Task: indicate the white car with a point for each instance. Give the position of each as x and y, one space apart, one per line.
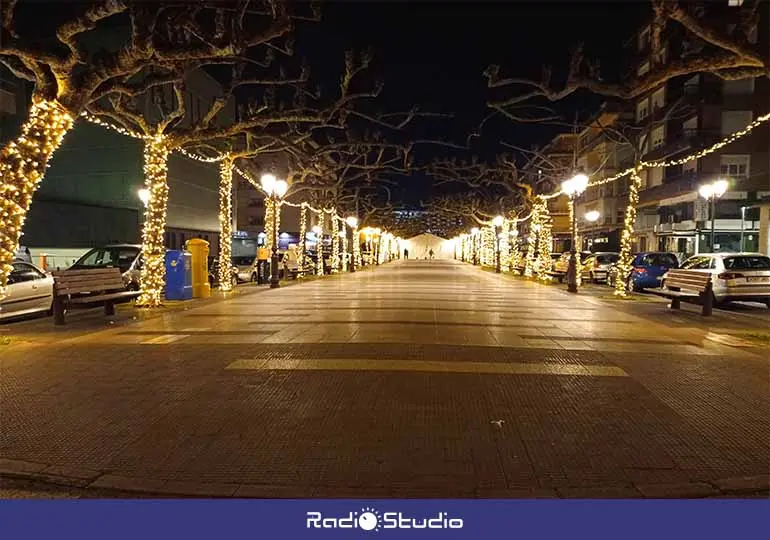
735 276
30 290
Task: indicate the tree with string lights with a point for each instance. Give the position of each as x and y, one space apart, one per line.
161 43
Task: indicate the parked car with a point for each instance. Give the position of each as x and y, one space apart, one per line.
127 257
597 265
647 270
214 273
555 257
30 290
246 267
562 264
735 276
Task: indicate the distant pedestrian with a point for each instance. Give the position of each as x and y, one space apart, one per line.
430 254
406 254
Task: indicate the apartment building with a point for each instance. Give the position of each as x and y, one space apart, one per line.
684 115
545 171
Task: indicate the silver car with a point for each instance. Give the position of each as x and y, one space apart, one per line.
30 290
596 267
735 276
246 267
127 257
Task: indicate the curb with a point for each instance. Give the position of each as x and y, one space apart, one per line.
92 480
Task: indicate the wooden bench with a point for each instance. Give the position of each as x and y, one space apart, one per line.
84 288
697 285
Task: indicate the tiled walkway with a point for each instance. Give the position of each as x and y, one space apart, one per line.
415 379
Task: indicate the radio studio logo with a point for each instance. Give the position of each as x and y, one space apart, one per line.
370 519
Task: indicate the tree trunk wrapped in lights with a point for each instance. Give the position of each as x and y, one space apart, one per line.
225 223
344 237
624 263
545 240
153 277
335 243
302 240
320 245
505 261
488 246
22 165
356 248
534 230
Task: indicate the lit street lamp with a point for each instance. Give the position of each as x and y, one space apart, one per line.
144 196
711 192
274 189
474 234
573 188
497 222
352 222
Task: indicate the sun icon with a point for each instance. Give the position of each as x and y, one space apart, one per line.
369 520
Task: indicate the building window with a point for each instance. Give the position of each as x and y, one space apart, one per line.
691 85
658 99
690 126
658 136
735 166
642 110
7 102
643 69
740 87
690 168
644 39
733 121
735 3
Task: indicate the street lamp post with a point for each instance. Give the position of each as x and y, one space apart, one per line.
743 226
474 234
274 189
573 188
352 222
497 222
711 192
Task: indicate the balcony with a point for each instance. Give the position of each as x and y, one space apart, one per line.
683 184
685 140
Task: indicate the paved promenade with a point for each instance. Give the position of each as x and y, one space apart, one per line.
416 379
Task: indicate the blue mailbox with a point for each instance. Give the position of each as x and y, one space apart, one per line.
178 275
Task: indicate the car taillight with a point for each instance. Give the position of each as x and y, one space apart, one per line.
640 270
730 275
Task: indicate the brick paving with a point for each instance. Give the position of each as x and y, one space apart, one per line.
388 387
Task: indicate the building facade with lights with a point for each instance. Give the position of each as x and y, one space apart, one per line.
89 196
545 171
690 113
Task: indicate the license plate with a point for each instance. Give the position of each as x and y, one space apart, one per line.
758 280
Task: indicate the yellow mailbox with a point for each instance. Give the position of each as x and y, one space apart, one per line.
199 249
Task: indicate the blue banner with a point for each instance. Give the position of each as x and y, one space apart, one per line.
280 519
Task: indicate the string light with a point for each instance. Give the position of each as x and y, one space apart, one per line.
534 230
544 239
356 248
153 276
225 223
624 263
320 246
335 243
302 240
504 246
119 129
344 236
22 165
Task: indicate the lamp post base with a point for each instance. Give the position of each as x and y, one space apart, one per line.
572 274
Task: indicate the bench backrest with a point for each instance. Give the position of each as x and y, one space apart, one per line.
688 279
85 281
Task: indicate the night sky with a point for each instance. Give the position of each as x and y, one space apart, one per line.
432 54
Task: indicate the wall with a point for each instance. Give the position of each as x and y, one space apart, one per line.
764 229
